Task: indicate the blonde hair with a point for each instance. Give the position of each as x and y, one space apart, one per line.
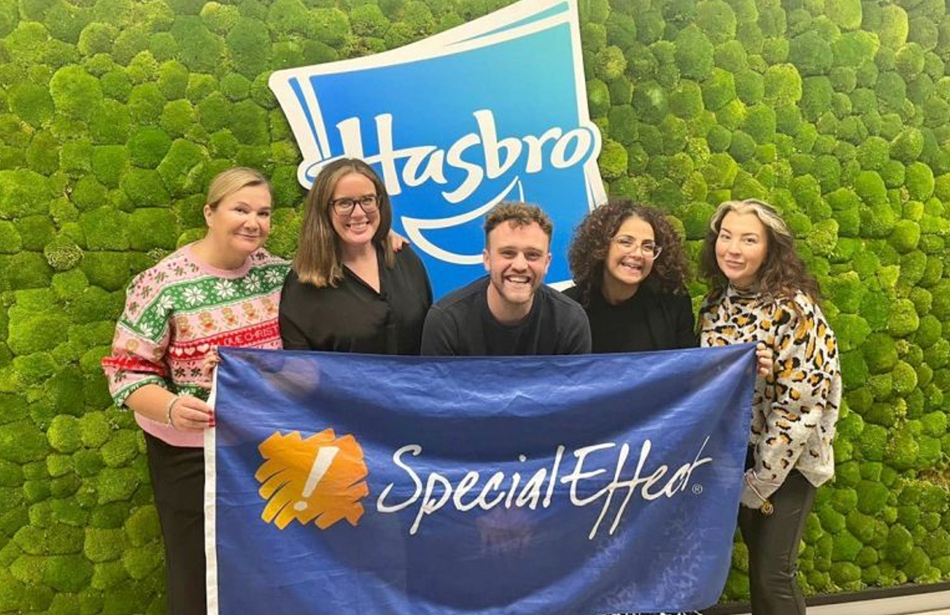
319 258
227 182
782 273
763 211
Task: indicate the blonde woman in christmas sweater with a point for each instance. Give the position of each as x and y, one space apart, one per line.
222 290
762 293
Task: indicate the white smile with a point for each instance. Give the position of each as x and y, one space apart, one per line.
632 265
518 280
358 227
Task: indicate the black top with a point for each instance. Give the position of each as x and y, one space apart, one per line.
352 317
461 324
649 320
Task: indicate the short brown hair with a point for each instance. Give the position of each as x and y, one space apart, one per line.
319 258
782 273
592 242
229 181
518 214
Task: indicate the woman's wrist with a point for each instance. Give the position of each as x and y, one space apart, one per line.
169 421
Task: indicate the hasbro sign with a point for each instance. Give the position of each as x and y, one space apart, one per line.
492 110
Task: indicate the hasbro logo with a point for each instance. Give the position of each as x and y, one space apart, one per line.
492 110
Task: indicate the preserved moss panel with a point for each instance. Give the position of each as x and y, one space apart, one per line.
115 113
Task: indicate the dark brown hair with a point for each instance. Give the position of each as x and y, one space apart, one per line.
782 273
319 258
592 242
518 214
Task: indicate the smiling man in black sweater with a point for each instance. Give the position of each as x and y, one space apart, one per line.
510 311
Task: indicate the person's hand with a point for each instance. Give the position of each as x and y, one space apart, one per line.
210 362
763 356
397 241
189 413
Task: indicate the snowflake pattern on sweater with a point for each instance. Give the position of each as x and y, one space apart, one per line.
180 309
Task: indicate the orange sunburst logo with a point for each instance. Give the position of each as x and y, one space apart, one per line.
321 477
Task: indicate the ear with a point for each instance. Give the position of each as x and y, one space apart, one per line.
547 263
485 260
208 212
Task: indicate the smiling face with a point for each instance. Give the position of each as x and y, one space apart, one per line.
356 228
741 248
516 258
241 222
628 263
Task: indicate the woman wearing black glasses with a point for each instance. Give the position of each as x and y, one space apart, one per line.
348 291
630 276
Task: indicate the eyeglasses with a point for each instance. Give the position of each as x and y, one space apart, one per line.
345 206
627 243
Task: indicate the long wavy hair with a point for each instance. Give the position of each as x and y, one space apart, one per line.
782 274
319 258
592 239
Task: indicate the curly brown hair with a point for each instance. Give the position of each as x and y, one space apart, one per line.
782 274
518 214
592 239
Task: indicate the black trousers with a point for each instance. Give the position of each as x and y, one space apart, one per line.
178 482
773 547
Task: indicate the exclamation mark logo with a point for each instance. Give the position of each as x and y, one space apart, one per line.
320 466
320 479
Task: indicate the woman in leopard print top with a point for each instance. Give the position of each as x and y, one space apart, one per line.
762 293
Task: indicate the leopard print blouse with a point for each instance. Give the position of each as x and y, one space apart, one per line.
794 408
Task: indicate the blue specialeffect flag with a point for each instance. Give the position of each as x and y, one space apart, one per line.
356 484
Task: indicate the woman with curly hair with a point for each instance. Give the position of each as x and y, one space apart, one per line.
630 276
761 292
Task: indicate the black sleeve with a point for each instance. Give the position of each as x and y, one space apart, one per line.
439 334
291 334
686 336
576 334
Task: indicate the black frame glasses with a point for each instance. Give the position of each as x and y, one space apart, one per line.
345 206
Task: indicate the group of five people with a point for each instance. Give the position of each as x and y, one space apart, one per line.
352 287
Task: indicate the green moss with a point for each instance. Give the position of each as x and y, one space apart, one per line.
750 86
116 484
199 49
816 98
810 53
613 159
872 496
108 270
249 45
910 60
905 236
782 83
598 98
686 101
919 180
731 56
147 146
121 448
718 90
144 188
75 92
140 562
146 102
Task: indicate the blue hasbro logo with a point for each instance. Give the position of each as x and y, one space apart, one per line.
493 110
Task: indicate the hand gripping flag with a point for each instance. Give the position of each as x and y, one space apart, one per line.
355 484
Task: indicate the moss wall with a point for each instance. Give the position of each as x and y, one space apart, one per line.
114 114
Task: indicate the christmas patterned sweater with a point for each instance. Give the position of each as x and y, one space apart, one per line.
179 310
